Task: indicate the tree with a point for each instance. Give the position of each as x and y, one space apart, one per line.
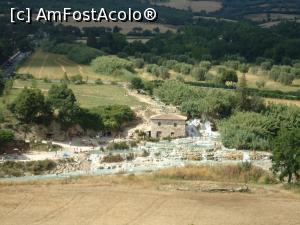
6 136
60 96
286 154
114 116
117 29
229 75
286 78
92 41
65 79
2 82
226 75
7 89
266 65
243 94
199 73
137 83
63 99
29 105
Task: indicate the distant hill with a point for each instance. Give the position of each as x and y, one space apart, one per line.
181 12
260 10
267 12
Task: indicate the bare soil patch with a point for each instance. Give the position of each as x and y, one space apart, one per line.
260 17
115 201
195 6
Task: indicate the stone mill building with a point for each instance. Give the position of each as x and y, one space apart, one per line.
168 125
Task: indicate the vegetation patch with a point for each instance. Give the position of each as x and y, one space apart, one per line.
249 130
78 53
245 173
111 65
17 169
123 145
114 116
112 158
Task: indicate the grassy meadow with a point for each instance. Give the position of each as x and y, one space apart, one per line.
88 95
53 66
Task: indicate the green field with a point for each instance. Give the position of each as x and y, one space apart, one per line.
269 85
53 66
88 95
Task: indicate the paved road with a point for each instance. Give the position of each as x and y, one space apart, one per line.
9 67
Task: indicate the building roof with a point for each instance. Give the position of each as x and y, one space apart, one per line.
168 117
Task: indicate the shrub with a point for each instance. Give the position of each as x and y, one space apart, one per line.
130 157
139 63
248 130
158 71
283 74
183 68
77 79
205 64
180 78
78 53
46 80
243 67
260 83
286 78
118 146
2 118
137 83
232 64
98 82
26 76
16 169
224 75
39 167
235 173
111 65
199 73
112 158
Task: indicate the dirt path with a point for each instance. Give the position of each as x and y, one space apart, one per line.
43 65
80 70
61 66
116 204
153 107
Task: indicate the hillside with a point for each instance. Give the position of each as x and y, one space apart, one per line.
179 12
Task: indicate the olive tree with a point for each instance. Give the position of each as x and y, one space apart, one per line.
286 154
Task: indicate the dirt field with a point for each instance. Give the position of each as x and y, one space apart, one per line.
91 203
274 23
260 17
283 101
126 26
53 66
195 6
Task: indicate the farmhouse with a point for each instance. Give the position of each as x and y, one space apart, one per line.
167 125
